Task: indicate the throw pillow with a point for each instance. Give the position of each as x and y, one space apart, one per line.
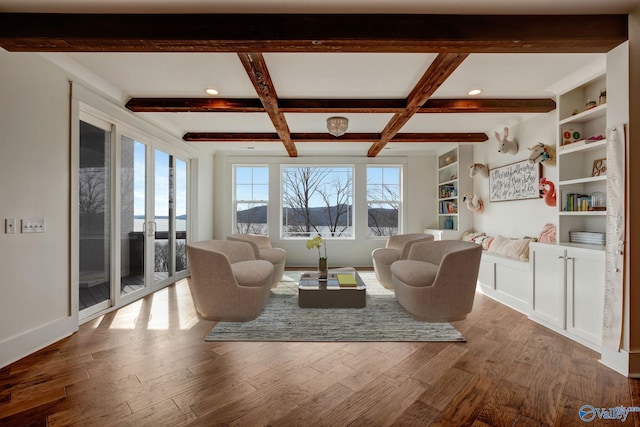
513 248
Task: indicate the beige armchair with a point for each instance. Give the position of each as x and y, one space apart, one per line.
227 282
397 248
437 282
263 250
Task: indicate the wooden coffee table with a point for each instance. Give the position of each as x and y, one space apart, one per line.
316 293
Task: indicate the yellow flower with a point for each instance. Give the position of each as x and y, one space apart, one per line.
316 242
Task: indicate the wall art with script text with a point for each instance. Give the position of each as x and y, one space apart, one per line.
515 181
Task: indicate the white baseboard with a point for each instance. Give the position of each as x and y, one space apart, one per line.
14 349
617 360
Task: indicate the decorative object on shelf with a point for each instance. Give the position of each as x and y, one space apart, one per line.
316 242
602 99
569 136
542 153
548 234
479 169
599 167
474 203
506 146
448 224
548 191
337 126
515 181
590 104
598 201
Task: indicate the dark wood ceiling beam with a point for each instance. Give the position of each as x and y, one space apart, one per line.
326 137
49 32
244 105
231 137
195 105
440 137
439 70
485 105
256 67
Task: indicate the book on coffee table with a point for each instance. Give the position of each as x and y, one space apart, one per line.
347 280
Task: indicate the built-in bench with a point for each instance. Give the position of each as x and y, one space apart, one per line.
507 280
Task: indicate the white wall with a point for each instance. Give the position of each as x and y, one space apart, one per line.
419 207
35 179
204 203
516 218
34 183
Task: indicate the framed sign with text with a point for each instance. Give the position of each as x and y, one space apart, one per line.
515 181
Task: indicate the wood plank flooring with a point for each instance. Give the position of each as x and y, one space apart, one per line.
148 364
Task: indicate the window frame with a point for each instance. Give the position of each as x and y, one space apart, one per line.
236 201
399 201
352 212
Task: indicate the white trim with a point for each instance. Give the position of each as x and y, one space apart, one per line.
97 105
618 361
14 349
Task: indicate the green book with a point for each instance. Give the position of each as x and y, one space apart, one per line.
347 280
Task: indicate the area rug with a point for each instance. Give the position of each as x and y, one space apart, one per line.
383 319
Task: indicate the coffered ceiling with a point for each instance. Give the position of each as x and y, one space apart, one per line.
401 80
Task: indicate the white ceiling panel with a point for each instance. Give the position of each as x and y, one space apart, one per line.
217 122
473 122
170 74
365 123
513 75
346 75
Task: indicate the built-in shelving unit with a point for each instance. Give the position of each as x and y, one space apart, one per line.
582 187
453 183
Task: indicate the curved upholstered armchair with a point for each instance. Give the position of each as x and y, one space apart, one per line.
263 250
397 248
227 283
437 282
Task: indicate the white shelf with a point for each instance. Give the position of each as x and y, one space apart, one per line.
445 199
597 248
450 165
587 146
448 214
586 116
586 180
451 181
583 213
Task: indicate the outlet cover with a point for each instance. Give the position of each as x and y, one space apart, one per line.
10 225
33 225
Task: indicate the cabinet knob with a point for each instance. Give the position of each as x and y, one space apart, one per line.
560 256
569 257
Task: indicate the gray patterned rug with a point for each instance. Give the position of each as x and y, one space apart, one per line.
383 319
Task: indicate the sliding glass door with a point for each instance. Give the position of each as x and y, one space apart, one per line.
170 216
94 213
133 216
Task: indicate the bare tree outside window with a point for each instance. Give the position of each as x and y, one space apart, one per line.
383 200
317 200
251 199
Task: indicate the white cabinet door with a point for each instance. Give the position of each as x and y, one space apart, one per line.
585 294
549 287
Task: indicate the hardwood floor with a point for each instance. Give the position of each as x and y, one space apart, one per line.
148 364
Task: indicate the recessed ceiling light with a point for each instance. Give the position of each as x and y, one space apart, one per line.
211 91
473 92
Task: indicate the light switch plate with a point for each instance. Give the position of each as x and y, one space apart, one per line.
10 225
33 225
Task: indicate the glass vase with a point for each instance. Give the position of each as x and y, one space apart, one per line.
322 268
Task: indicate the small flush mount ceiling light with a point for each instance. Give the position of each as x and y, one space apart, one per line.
474 92
211 91
337 126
